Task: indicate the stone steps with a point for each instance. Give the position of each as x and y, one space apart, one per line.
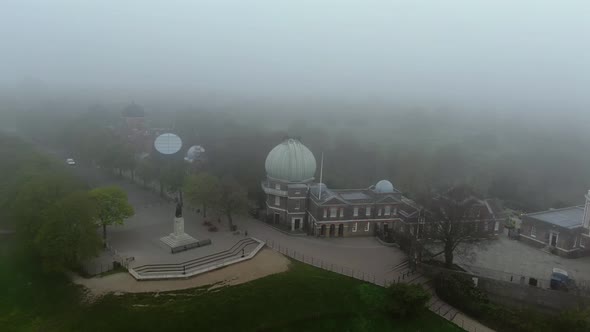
195 264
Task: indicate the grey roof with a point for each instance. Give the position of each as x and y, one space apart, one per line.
351 196
571 217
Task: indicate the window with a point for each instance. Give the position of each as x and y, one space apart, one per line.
485 227
496 226
379 212
297 204
533 231
341 212
277 200
582 242
387 210
476 227
325 213
297 192
367 227
333 212
395 211
277 186
356 212
354 227
368 211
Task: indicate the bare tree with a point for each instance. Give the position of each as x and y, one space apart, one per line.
451 220
232 199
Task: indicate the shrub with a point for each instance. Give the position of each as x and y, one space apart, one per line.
213 229
460 292
206 223
404 300
573 321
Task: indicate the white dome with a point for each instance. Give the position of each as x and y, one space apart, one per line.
194 153
384 187
290 161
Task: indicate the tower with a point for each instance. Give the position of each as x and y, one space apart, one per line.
290 168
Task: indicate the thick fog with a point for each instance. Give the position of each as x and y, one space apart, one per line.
503 55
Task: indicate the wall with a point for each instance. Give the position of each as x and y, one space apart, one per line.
516 294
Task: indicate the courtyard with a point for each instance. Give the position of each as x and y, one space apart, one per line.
504 257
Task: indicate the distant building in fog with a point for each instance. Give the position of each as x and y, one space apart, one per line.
134 131
565 231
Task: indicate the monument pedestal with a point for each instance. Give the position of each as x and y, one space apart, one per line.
179 240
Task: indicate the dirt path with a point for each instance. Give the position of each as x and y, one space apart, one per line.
266 262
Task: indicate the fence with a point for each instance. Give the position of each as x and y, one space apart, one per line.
582 286
401 276
443 310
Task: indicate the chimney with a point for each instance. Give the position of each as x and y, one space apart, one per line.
587 211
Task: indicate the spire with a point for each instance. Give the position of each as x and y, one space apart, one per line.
587 211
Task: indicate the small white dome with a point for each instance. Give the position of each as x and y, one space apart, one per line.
290 161
384 187
194 153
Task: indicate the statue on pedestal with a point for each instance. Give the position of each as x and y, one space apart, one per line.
178 212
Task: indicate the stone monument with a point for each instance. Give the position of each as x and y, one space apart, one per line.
179 240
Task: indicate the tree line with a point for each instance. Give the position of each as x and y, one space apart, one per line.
54 214
529 163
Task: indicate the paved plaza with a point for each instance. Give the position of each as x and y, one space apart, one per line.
505 256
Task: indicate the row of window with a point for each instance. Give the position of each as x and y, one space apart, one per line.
335 211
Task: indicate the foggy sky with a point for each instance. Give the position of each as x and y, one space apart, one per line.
516 54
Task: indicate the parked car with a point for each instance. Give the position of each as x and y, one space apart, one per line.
560 280
70 162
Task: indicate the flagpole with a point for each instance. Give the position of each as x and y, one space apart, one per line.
321 174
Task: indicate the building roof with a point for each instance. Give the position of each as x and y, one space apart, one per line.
355 195
290 161
571 217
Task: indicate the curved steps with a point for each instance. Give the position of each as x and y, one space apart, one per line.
200 264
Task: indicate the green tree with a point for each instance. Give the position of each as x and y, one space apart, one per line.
113 207
202 189
403 300
146 171
68 233
172 175
231 199
37 195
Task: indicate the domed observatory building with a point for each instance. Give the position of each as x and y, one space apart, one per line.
290 169
361 212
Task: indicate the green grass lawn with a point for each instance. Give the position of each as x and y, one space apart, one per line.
303 299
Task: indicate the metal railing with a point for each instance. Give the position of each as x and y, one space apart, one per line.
399 276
